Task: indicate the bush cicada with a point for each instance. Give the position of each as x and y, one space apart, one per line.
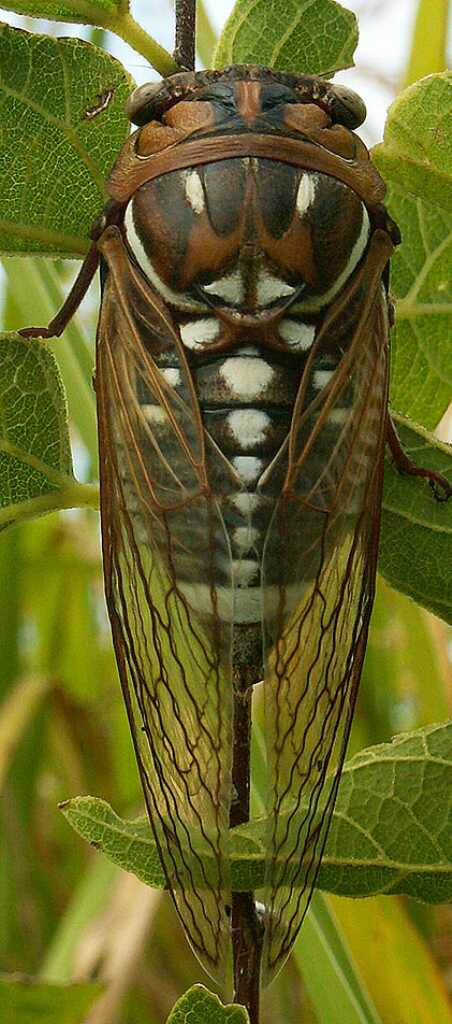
242 389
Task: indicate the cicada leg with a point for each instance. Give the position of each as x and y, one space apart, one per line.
441 487
112 214
71 304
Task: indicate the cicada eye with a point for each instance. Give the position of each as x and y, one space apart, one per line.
150 101
139 104
347 107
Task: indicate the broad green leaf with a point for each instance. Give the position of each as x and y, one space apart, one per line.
416 161
390 831
38 292
393 819
416 536
416 153
35 458
81 12
24 1001
429 46
199 1006
54 158
317 37
394 961
421 283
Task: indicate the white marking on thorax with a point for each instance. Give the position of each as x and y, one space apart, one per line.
194 191
197 334
229 288
248 426
270 288
246 378
311 305
182 300
321 377
306 193
172 375
298 335
248 467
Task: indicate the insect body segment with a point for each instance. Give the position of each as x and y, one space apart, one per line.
242 390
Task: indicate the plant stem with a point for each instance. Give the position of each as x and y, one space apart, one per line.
246 927
73 495
128 29
184 51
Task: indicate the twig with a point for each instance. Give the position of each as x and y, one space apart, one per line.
184 52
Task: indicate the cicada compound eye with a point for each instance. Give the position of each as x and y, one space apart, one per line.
151 100
347 107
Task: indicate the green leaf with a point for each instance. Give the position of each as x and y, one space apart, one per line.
416 161
81 12
38 293
23 1001
35 457
390 831
429 47
199 1006
393 819
416 536
421 283
416 153
317 37
54 159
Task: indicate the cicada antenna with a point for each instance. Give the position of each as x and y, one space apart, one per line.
184 52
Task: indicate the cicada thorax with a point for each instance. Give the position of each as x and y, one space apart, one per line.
249 254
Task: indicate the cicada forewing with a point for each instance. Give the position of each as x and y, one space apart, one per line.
319 573
162 533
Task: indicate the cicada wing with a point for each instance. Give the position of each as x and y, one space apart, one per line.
319 571
163 534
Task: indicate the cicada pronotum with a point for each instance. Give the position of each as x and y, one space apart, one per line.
242 388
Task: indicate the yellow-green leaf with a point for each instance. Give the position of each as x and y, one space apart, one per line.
55 155
317 37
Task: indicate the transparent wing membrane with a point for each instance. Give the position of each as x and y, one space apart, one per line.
323 539
172 592
161 528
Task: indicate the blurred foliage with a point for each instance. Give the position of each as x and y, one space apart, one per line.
68 914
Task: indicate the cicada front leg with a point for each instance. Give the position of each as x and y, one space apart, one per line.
82 282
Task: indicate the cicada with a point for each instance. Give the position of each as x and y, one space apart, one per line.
242 390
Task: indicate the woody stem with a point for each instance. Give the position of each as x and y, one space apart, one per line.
184 52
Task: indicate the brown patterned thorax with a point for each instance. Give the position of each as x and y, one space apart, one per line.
249 205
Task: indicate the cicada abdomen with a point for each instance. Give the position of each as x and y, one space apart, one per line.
242 388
